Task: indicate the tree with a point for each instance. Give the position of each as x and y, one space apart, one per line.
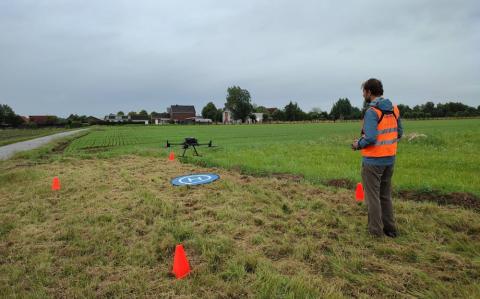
342 109
73 117
143 113
293 112
132 113
428 109
120 113
278 115
315 114
404 110
260 109
210 111
8 116
238 101
356 113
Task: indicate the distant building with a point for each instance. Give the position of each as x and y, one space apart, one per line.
179 113
198 120
139 119
113 118
271 110
160 120
258 117
93 120
43 119
226 116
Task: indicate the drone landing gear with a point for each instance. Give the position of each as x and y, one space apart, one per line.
185 147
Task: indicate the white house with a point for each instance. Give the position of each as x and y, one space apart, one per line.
112 118
227 118
258 117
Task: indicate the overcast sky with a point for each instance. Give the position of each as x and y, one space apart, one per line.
96 57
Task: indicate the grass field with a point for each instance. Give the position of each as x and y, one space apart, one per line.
434 155
8 136
112 229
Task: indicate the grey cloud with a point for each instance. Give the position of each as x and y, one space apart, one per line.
95 57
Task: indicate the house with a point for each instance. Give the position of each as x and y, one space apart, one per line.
139 119
227 117
258 117
160 120
271 110
198 120
43 119
93 120
113 118
179 113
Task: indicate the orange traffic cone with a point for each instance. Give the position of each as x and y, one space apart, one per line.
55 184
181 268
172 156
359 194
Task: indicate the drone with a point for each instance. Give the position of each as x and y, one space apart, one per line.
190 142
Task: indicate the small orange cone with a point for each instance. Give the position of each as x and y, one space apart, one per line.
181 268
359 194
172 156
55 184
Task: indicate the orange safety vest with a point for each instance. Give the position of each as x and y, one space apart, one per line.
387 138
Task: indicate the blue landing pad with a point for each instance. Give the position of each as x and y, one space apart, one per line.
195 179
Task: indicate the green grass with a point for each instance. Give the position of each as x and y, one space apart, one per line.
443 157
9 136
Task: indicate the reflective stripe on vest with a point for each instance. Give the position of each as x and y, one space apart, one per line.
387 138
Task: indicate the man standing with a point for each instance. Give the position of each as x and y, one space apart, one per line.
381 131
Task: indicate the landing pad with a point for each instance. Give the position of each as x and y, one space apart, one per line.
195 179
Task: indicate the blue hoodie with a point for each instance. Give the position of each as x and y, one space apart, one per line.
370 121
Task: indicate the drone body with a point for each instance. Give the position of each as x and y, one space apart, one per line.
190 142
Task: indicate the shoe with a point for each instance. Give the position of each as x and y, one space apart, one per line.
390 233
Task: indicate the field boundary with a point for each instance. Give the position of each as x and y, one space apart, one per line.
459 199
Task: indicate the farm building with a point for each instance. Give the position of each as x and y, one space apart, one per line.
112 118
180 113
160 120
227 118
139 119
198 120
42 119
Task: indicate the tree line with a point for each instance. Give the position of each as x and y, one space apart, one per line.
238 101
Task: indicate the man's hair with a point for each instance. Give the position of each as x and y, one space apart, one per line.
374 85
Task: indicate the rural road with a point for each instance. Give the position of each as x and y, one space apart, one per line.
9 150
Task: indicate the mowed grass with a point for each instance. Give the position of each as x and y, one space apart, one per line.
112 229
440 155
8 136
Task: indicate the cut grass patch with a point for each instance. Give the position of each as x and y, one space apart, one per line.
112 229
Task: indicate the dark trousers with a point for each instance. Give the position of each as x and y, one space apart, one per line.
377 183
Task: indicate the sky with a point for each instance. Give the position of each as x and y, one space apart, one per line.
96 57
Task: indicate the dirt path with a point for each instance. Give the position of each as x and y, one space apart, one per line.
8 151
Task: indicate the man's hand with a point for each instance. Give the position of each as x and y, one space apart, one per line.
355 145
